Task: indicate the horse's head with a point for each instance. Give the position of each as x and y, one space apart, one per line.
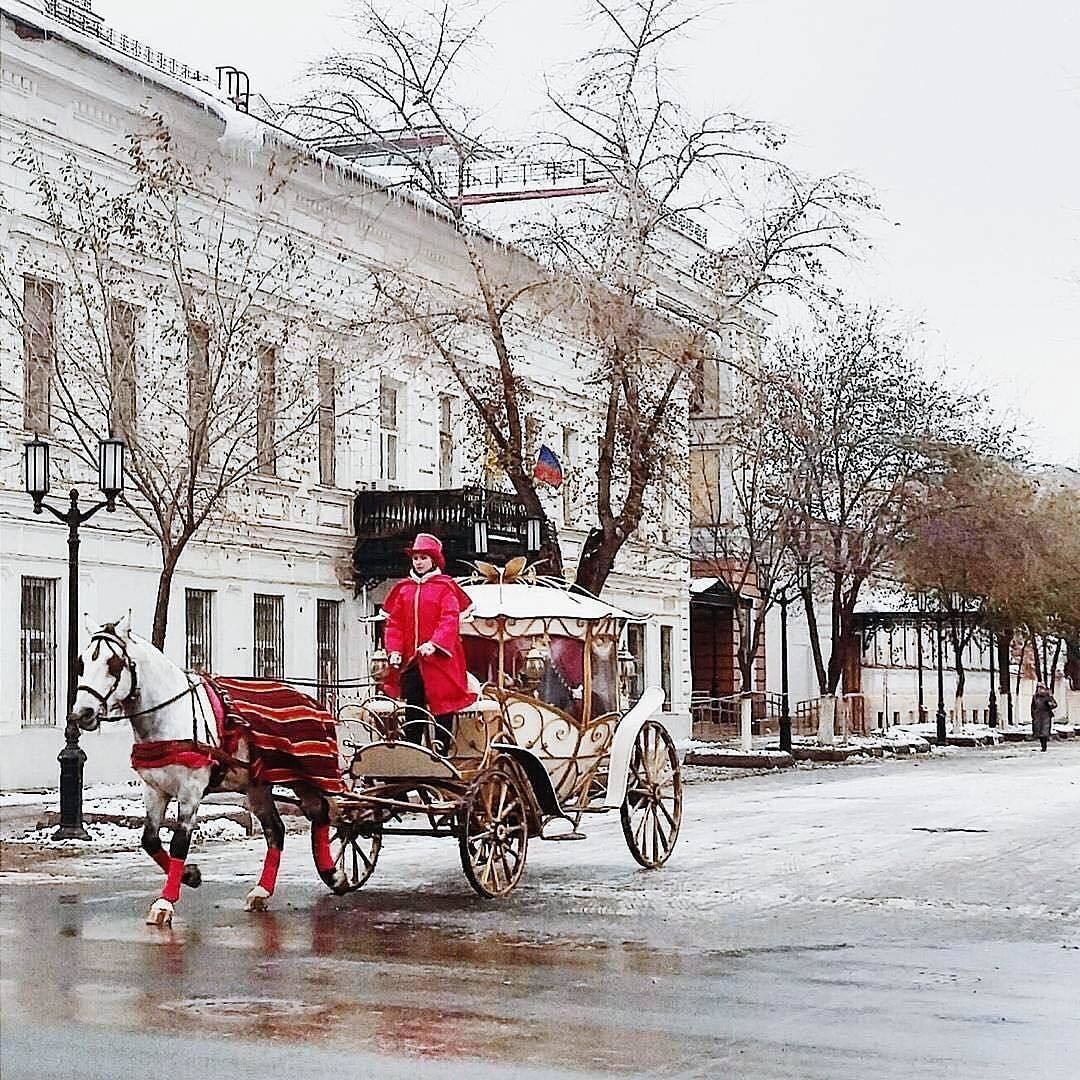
106 671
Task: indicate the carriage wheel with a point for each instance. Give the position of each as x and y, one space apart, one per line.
354 853
494 831
652 809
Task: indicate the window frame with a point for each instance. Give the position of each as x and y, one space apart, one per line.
270 645
39 354
327 390
327 652
266 411
667 665
42 659
205 597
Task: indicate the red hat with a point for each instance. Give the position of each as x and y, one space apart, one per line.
426 544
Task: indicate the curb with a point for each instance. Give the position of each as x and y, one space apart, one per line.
131 821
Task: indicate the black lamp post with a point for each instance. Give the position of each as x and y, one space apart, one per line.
920 604
111 483
785 705
942 734
993 688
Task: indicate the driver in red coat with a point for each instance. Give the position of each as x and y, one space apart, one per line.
423 639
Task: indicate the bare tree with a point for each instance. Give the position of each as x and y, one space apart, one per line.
227 297
864 429
600 264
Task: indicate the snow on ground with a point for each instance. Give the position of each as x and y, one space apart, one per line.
106 836
50 798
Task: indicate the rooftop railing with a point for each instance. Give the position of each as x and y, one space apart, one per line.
80 17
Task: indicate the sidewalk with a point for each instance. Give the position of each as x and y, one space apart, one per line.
900 741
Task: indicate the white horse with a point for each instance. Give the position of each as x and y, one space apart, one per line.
121 677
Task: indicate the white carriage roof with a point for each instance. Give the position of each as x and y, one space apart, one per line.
523 601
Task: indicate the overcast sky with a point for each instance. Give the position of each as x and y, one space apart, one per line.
962 115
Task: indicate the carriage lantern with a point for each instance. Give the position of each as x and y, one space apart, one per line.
380 665
627 668
533 669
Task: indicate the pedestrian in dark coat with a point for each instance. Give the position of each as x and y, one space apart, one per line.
1042 713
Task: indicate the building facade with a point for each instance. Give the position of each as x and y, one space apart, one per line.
273 583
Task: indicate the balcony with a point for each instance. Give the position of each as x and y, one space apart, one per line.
386 522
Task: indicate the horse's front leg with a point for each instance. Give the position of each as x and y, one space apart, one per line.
157 803
261 802
187 805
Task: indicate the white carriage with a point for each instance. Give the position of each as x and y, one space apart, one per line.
550 739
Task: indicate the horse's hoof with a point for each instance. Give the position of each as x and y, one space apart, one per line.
192 876
160 913
257 900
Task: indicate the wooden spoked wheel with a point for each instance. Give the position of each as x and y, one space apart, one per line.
494 831
652 809
354 853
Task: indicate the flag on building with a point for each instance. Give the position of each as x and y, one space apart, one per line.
547 467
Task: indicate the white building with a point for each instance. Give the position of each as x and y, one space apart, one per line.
271 585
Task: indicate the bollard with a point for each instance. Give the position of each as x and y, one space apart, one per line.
746 720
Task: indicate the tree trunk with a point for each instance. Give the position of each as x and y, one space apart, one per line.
161 605
1003 644
597 560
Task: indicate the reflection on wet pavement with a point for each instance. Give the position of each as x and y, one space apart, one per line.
339 976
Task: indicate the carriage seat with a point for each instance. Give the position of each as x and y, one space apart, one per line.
400 760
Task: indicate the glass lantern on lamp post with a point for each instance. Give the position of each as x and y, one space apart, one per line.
111 484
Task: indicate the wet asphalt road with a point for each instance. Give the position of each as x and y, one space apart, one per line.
889 920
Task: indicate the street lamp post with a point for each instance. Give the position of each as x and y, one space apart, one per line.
920 603
111 483
993 688
942 734
785 703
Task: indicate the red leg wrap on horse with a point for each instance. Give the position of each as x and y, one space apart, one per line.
270 869
320 845
161 857
171 892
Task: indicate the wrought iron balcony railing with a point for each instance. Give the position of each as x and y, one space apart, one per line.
386 522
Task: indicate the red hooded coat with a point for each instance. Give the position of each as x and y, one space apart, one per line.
429 609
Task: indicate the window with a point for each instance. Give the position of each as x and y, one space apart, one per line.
569 460
199 612
446 441
389 434
635 644
198 392
123 323
265 433
327 424
326 656
39 353
666 665
38 652
268 659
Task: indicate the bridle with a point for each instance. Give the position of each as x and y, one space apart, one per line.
119 662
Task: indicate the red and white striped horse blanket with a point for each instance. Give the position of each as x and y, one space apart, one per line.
292 738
